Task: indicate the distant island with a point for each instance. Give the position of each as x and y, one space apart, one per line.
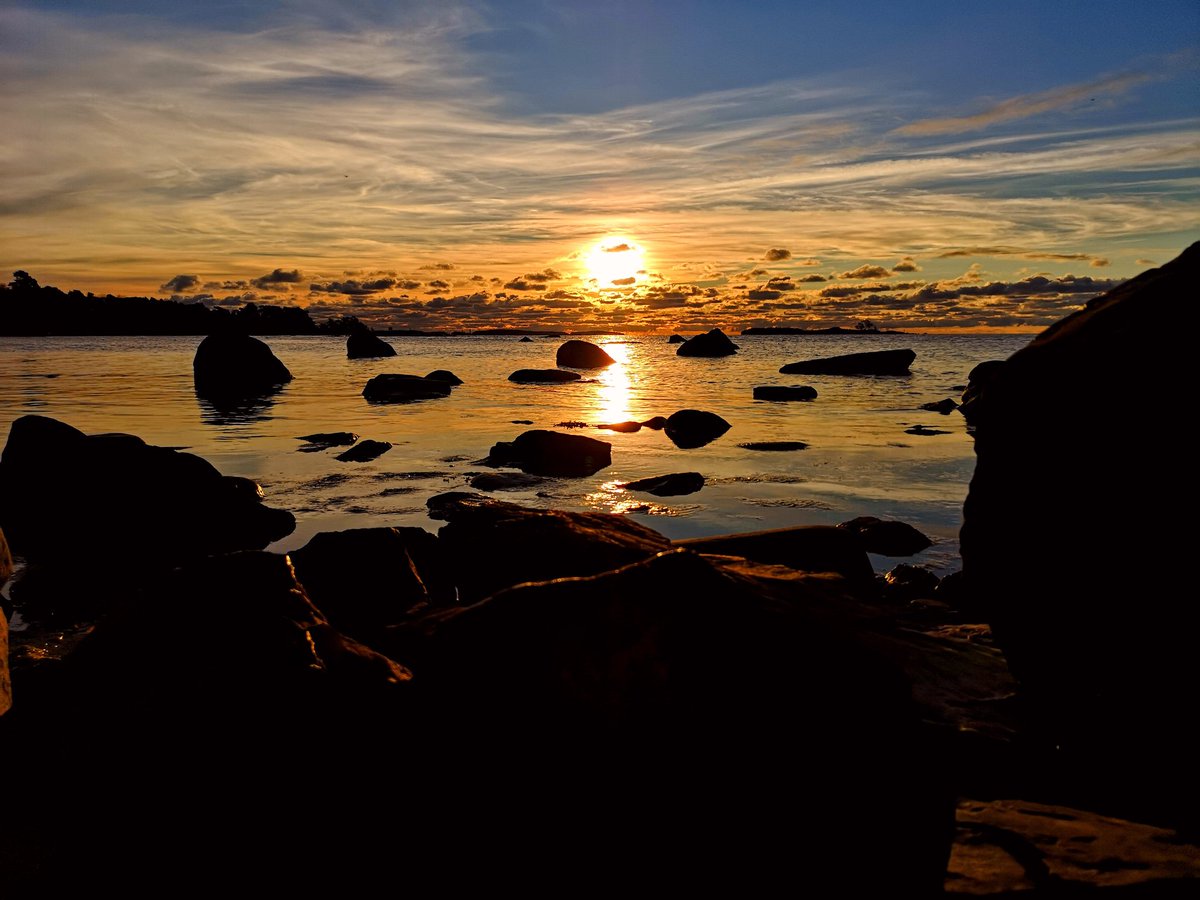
864 327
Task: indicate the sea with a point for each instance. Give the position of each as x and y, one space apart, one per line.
859 458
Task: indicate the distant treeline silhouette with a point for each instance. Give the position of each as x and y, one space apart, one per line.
28 308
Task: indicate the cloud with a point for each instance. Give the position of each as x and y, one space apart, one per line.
544 275
780 284
906 265
764 295
617 248
1024 254
518 284
442 265
1098 262
353 287
813 277
866 271
624 281
778 253
181 283
1026 105
1145 262
439 284
279 276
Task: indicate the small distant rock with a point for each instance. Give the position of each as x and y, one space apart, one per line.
925 430
582 355
505 481
543 376
877 362
673 485
365 345
522 422
774 445
525 340
711 343
365 451
390 388
677 339
945 407
785 393
691 428
330 438
627 427
887 537
658 423
571 423
444 375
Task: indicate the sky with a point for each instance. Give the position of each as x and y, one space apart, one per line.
648 166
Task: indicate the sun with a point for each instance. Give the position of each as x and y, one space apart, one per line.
616 261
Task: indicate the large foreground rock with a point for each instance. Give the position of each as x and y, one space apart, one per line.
876 362
366 345
1076 534
711 343
541 452
229 367
582 355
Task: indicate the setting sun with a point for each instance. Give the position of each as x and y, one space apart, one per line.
615 261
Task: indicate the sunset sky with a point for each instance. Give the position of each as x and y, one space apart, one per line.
660 166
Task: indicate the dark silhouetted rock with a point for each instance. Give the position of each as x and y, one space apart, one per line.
6 560
658 423
887 537
945 407
977 379
905 582
774 446
807 548
875 362
391 388
542 452
365 451
582 355
505 481
677 339
925 430
365 345
229 367
444 375
784 393
525 340
1074 530
571 423
330 438
711 343
689 428
501 544
627 427
543 376
673 485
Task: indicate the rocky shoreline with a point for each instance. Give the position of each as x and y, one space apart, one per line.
570 701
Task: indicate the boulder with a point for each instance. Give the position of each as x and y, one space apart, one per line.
887 537
364 451
784 393
543 376
391 388
945 407
711 343
1074 530
977 379
875 362
774 446
230 367
673 485
690 428
365 345
444 375
658 423
582 355
676 339
541 452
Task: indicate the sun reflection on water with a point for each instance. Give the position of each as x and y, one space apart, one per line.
615 387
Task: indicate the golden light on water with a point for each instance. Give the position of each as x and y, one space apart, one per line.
615 387
616 261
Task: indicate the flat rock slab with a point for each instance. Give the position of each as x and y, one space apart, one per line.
626 427
542 452
543 376
876 362
365 451
925 430
673 485
774 445
505 481
396 388
330 438
784 393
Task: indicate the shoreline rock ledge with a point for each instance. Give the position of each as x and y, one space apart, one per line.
875 362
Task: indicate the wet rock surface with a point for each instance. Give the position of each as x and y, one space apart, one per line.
711 343
875 362
540 452
672 485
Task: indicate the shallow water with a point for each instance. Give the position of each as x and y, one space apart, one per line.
859 460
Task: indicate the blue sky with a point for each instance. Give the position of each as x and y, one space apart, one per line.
427 165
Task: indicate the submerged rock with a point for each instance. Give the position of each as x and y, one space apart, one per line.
392 388
543 376
444 375
876 362
690 428
658 423
505 481
364 451
945 407
887 537
542 452
784 393
366 345
582 355
676 339
229 367
673 485
711 343
774 446
330 438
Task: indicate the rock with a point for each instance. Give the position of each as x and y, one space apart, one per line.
905 582
977 379
690 428
330 438
525 340
875 362
503 544
364 451
784 393
945 407
887 537
673 485
444 375
675 671
658 423
571 423
627 427
777 446
505 481
6 697
392 388
582 355
365 580
80 503
1068 525
6 560
543 376
711 343
365 345
229 367
540 452
676 339
807 548
925 430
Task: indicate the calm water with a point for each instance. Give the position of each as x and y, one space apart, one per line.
860 461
